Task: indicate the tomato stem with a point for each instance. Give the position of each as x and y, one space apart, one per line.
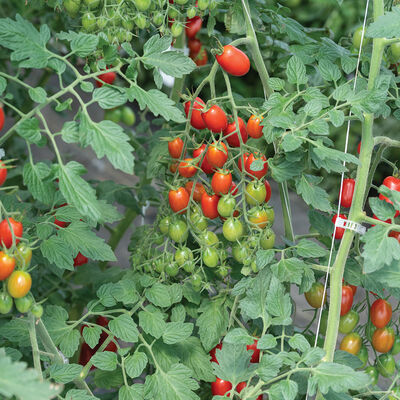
34 345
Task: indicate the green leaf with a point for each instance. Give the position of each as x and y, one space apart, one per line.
135 364
38 95
28 45
64 373
345 358
17 380
107 139
269 367
278 303
264 258
291 142
267 342
309 249
157 102
69 342
3 85
299 342
176 331
157 44
386 26
29 130
238 336
109 97
312 356
16 331
159 295
336 117
276 84
312 194
58 252
321 223
104 293
134 392
329 71
319 127
125 292
91 335
178 313
381 208
106 360
283 390
124 328
212 322
75 394
152 321
296 71
379 249
289 270
174 384
109 379
35 175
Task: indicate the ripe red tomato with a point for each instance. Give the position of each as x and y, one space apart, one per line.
175 147
347 300
19 284
217 154
255 357
380 313
269 191
315 296
80 259
198 190
383 339
205 165
7 265
347 192
221 182
242 160
231 136
240 386
196 119
61 224
233 61
254 129
215 119
339 231
178 200
2 118
254 157
194 46
351 343
85 355
193 25
213 351
394 184
187 168
220 387
209 205
3 169
354 289
173 167
200 58
6 236
395 235
107 77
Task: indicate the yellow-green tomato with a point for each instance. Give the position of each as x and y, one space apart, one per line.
232 229
128 116
113 115
23 304
357 38
23 255
72 7
142 5
348 321
240 252
255 193
6 303
210 257
89 21
267 239
178 231
209 238
37 310
164 225
182 255
92 4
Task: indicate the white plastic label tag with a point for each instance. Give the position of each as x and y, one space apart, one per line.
353 226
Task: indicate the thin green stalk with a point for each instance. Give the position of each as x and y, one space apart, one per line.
34 345
178 82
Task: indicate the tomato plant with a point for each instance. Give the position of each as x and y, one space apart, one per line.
380 313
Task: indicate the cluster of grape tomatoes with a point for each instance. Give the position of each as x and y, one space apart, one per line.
197 51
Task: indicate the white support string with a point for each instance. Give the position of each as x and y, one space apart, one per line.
342 178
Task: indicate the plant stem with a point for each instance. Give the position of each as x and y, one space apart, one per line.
34 345
178 82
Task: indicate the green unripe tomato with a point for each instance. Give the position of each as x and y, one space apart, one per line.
267 239
142 5
196 281
37 311
226 206
348 322
178 231
373 373
92 4
113 115
395 49
172 269
203 4
164 225
240 252
210 257
183 255
23 255
363 356
357 38
223 271
173 13
128 116
232 229
101 22
89 21
128 24
176 29
191 12
213 4
6 303
158 19
159 265
128 36
209 238
23 304
386 365
180 2
396 345
188 266
140 21
270 214
198 221
72 7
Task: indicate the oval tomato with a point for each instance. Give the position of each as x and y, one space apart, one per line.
383 339
386 365
209 205
175 147
164 225
255 193
205 165
240 252
6 234
347 300
221 182
351 343
19 284
269 191
196 119
2 118
217 154
198 221
233 61
197 191
267 239
363 356
183 255
339 232
176 29
315 296
215 119
258 217
23 255
187 168
201 58
193 25
254 129
178 231
209 238
348 321
210 257
392 183
220 387
232 229
380 313
23 304
80 259
178 200
226 206
6 303
259 159
3 171
7 265
194 46
213 352
347 192
242 161
107 77
231 135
